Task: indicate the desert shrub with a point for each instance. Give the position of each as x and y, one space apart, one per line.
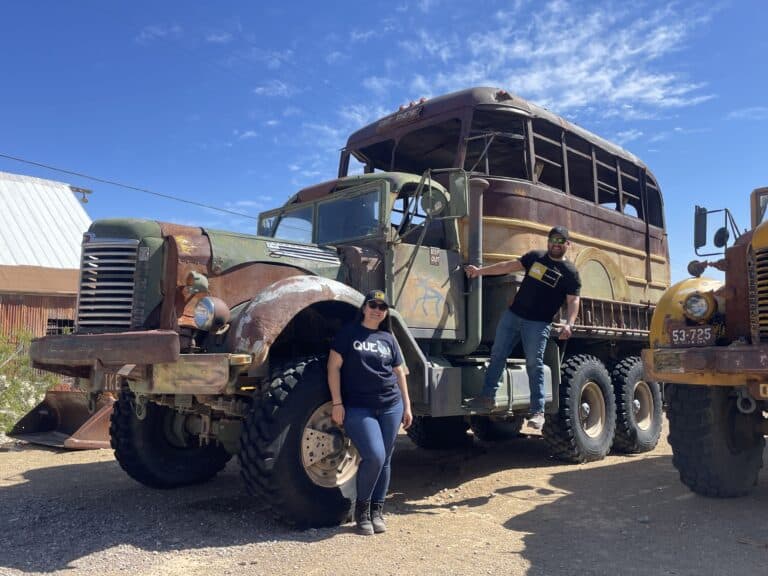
21 386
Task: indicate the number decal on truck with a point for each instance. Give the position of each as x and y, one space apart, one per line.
692 336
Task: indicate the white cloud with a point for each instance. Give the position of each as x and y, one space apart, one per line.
628 136
334 57
429 45
271 122
274 88
218 38
569 56
245 134
751 113
291 111
154 32
361 35
379 85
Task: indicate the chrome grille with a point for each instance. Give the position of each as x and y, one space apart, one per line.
105 300
760 298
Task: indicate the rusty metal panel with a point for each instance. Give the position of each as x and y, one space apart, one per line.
149 347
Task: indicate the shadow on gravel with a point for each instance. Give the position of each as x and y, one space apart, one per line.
58 515
636 518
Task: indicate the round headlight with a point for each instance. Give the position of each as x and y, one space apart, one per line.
211 313
699 307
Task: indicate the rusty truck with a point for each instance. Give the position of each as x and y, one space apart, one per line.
217 341
709 344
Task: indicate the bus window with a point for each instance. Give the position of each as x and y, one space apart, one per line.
549 153
379 156
433 146
655 217
496 144
607 180
581 180
630 189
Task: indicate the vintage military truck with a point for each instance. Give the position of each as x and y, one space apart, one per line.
708 343
217 341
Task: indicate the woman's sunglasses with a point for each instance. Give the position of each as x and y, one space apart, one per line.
377 306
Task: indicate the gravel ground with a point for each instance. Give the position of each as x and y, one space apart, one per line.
489 508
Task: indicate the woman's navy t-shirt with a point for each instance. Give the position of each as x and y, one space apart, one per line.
367 378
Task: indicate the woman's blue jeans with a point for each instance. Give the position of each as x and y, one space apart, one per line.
373 432
534 335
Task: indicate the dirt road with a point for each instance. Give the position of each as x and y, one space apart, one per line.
491 508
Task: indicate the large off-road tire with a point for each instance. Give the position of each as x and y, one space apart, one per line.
638 407
151 453
715 448
438 433
583 428
488 430
292 456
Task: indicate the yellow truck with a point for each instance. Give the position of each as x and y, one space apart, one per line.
709 344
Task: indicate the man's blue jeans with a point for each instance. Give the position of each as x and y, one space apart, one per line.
373 432
533 334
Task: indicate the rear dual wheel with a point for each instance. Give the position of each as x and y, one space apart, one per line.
638 407
583 428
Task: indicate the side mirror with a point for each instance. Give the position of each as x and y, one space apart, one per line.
700 227
434 202
721 237
458 185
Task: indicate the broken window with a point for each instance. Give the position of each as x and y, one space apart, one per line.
496 144
434 146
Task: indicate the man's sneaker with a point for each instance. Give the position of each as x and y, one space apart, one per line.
536 421
481 404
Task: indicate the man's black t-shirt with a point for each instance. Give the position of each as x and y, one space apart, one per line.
545 286
367 379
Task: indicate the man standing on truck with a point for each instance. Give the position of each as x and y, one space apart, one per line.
549 281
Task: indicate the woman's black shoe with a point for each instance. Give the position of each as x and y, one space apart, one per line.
363 517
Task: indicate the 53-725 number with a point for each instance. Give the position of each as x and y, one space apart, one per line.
692 336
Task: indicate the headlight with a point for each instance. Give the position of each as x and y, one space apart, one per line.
211 313
699 307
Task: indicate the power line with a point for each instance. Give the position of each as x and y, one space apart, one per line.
126 186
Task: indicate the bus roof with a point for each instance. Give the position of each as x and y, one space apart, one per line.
397 122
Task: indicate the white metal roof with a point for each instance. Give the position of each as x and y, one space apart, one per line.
41 223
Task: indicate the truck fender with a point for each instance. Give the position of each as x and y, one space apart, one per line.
670 307
266 316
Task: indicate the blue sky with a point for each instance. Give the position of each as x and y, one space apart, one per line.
239 104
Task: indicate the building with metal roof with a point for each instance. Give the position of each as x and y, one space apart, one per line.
41 229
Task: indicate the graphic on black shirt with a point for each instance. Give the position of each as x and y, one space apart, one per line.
546 284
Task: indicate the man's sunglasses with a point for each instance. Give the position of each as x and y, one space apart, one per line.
377 305
557 240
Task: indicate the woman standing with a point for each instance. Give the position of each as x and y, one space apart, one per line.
370 398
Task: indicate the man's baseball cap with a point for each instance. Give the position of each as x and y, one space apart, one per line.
558 231
376 295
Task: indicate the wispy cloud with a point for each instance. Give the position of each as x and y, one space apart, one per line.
274 88
751 113
379 85
429 45
245 134
628 136
571 55
218 38
155 32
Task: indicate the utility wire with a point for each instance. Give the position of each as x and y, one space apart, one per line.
126 186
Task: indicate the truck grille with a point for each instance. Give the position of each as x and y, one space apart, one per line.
758 287
105 300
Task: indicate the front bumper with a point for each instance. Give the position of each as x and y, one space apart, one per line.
77 354
735 365
149 361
